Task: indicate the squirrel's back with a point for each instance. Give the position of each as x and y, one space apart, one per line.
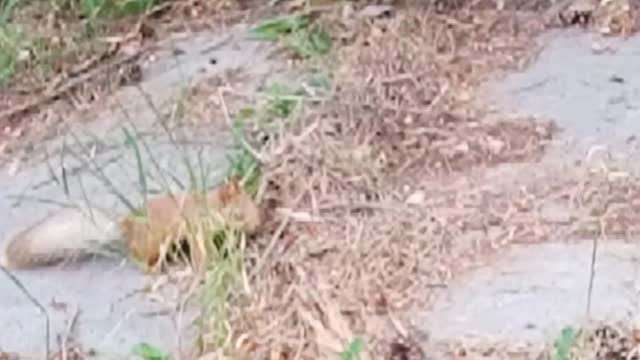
67 234
165 219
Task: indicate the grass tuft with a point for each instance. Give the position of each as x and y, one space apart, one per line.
30 46
222 281
298 33
565 343
149 352
353 349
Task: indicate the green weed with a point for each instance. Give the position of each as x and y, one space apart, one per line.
135 7
280 104
245 166
320 82
295 32
25 46
149 352
243 163
222 245
131 141
11 39
9 53
354 348
21 50
227 261
223 275
7 8
308 42
275 29
565 343
93 9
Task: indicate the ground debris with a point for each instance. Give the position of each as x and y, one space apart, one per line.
402 122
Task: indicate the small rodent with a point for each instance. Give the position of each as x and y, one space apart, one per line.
73 234
167 220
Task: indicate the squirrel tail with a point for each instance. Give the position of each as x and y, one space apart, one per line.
66 235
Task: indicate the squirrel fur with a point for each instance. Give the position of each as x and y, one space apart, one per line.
164 221
167 221
70 233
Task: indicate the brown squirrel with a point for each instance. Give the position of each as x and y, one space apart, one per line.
164 222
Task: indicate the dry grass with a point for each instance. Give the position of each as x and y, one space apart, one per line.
375 223
384 192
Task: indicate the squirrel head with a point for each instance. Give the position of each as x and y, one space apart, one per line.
240 208
230 190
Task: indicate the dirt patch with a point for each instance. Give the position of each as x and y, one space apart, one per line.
63 61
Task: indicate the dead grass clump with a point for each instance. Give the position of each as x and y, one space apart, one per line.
412 79
349 267
606 205
382 196
369 220
367 245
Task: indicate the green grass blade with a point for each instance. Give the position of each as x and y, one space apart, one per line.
131 141
149 352
274 29
565 343
353 350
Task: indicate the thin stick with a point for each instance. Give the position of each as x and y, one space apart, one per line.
182 304
97 172
65 340
275 237
35 302
243 142
70 85
168 131
592 273
150 153
364 206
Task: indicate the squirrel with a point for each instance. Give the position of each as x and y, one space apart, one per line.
162 223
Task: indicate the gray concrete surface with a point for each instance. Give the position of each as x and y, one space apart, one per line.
588 85
113 311
530 292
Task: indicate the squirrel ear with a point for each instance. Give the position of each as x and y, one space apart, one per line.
234 180
230 189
